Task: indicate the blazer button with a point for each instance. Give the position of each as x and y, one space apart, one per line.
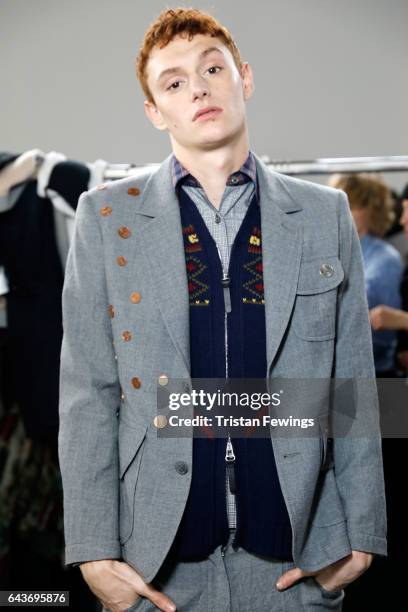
136 382
181 467
163 379
326 270
126 336
133 191
105 211
160 421
124 232
135 297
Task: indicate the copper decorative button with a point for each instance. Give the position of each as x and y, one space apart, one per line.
126 336
124 232
136 382
101 186
122 261
135 297
133 191
163 379
326 270
105 211
111 311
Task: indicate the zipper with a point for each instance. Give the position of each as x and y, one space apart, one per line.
226 284
230 459
229 450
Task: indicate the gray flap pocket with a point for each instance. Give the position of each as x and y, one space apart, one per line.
319 274
314 316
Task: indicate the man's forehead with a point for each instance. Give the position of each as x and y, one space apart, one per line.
181 49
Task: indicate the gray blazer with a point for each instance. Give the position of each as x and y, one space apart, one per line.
126 322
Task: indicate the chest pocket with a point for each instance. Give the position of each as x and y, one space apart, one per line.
314 316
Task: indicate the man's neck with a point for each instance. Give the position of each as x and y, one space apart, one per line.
212 168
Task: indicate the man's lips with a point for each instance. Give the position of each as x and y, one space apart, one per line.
206 113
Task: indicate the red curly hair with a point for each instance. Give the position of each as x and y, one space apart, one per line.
186 22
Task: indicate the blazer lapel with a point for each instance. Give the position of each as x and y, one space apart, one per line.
162 242
281 255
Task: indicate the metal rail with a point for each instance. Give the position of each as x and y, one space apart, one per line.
317 166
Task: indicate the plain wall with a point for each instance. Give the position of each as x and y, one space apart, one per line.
331 77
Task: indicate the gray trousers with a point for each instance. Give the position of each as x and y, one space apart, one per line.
233 580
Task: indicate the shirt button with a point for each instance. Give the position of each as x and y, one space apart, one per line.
234 180
181 467
217 218
122 261
326 270
126 336
163 379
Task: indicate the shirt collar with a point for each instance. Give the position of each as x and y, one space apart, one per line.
246 173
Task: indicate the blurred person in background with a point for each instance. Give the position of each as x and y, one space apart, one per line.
387 293
371 205
384 317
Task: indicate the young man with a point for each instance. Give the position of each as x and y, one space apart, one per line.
212 266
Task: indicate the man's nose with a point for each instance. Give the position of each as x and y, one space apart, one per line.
199 89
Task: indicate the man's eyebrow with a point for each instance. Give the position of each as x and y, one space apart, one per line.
203 54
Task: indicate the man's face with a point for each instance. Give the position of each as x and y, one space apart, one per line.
361 218
188 76
404 216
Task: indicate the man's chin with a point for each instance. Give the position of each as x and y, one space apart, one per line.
216 141
208 142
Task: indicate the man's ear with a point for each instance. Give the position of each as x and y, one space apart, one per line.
247 76
154 115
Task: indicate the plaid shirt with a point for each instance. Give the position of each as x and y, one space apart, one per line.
223 224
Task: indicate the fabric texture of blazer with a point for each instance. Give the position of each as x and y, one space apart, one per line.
126 323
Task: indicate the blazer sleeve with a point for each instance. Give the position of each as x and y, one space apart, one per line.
89 399
358 455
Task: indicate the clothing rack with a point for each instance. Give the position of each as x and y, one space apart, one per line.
317 166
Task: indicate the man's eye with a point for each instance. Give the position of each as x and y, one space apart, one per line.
215 69
174 85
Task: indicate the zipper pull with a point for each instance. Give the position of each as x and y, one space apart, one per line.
229 454
226 283
230 459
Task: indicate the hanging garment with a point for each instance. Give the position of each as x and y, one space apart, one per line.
32 261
